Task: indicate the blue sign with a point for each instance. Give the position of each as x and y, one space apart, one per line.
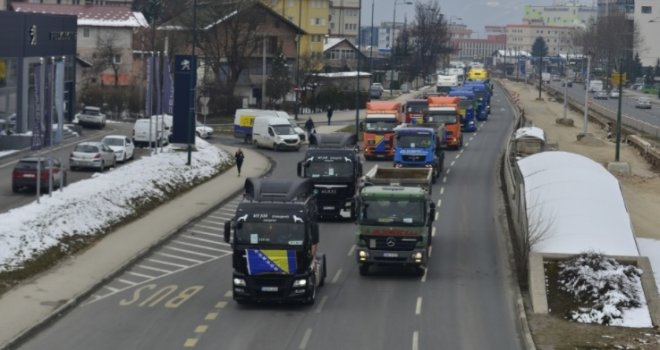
183 120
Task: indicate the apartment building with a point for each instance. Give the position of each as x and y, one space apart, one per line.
344 19
559 40
312 16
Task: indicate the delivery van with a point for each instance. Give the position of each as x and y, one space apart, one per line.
274 132
143 137
244 120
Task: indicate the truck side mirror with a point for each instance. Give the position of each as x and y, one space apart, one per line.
315 232
227 231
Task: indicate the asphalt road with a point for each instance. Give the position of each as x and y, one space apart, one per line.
9 200
179 295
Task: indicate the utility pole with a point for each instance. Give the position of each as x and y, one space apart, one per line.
586 97
618 112
357 79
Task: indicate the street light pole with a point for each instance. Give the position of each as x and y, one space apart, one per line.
392 60
357 83
193 82
618 113
371 43
586 97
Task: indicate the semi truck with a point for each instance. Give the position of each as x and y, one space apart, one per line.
445 82
443 111
419 147
482 92
395 218
333 165
467 108
274 236
414 110
378 129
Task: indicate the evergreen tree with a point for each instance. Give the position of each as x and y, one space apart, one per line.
279 80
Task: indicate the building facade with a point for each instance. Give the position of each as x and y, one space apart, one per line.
344 19
647 17
388 32
569 14
606 7
312 16
559 40
28 58
477 49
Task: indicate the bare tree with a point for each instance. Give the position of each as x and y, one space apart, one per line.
108 55
429 35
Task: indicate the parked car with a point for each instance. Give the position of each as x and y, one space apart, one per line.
92 155
600 95
203 131
643 102
25 173
567 82
614 93
122 146
91 116
375 91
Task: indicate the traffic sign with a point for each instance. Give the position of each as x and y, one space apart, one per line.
205 110
617 77
204 100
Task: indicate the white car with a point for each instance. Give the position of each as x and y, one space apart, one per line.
614 93
92 155
91 116
122 146
203 131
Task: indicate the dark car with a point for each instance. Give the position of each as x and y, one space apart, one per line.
25 173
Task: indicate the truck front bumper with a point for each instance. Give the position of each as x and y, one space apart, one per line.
417 257
272 288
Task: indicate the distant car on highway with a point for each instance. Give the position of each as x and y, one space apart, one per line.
122 146
567 82
643 103
91 116
614 94
600 95
25 175
92 155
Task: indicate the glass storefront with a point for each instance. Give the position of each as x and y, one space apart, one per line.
8 92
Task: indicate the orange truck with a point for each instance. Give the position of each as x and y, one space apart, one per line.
445 111
378 129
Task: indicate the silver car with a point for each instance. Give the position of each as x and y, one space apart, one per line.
92 155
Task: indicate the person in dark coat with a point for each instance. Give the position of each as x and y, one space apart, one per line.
309 126
329 114
238 157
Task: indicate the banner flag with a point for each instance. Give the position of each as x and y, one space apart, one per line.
59 99
48 104
159 106
36 107
148 98
168 92
271 261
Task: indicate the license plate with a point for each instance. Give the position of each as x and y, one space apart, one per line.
391 255
29 176
268 289
328 208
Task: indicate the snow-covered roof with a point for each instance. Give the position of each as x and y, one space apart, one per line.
344 74
89 15
513 53
575 205
332 42
530 132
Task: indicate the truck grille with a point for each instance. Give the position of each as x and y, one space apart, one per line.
391 243
291 141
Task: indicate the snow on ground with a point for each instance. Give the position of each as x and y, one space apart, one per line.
7 152
89 206
650 248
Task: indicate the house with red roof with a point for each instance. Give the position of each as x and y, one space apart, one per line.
104 39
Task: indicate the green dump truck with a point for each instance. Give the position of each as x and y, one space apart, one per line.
395 218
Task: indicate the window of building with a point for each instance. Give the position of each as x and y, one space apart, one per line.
116 59
647 9
86 32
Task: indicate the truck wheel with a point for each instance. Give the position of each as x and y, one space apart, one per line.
312 298
419 271
364 269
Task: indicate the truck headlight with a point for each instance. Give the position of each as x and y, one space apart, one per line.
418 257
428 165
299 283
362 254
398 165
239 282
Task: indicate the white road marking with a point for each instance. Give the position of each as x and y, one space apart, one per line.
352 250
130 283
140 275
199 246
113 290
180 258
204 240
426 271
442 190
458 156
321 304
225 218
415 340
436 216
433 232
444 179
418 306
431 248
191 252
448 171
466 144
453 162
305 339
201 329
213 222
153 268
439 203
204 233
212 228
336 278
167 263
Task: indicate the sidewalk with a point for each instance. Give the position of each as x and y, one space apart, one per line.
65 285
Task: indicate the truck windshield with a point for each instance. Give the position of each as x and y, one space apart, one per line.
413 141
447 117
283 130
416 107
271 233
380 124
465 103
388 212
329 169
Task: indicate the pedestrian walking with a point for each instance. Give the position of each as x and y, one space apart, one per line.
329 114
238 157
309 126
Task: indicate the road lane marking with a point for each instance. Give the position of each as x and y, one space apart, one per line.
199 246
211 316
141 275
418 306
167 263
439 203
204 233
213 222
415 340
461 151
452 163
180 258
212 228
205 240
426 271
221 305
436 216
466 144
471 138
146 267
442 190
352 250
113 290
336 278
201 329
321 304
228 294
430 251
191 252
190 343
305 339
130 283
433 232
225 218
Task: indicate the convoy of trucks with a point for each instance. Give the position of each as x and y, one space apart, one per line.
419 147
333 165
274 236
467 107
395 218
378 129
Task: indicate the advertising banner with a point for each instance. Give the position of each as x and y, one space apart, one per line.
184 86
36 108
59 99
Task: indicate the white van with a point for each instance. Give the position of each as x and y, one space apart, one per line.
299 131
142 137
244 119
275 133
167 121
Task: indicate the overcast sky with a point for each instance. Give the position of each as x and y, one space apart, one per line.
474 13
